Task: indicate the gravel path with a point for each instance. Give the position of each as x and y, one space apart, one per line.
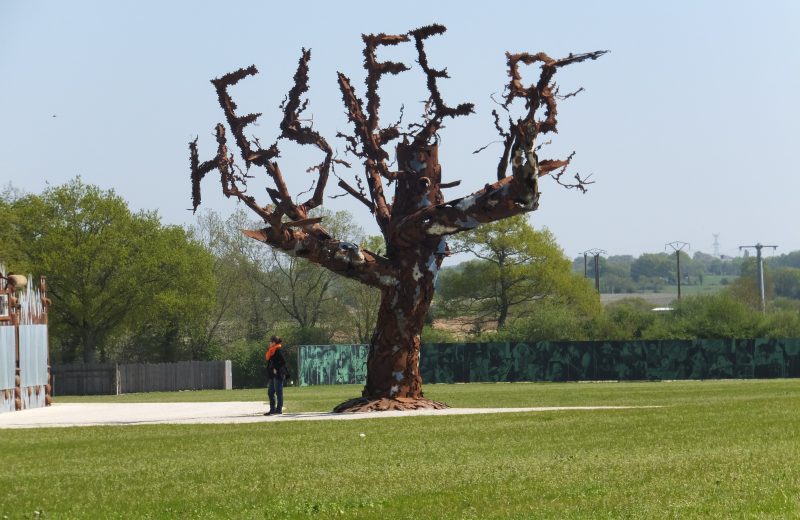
104 414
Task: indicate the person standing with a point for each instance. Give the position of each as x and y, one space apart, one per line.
276 372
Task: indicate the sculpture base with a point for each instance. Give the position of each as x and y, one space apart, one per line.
364 404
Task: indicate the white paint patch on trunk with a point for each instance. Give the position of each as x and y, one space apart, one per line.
466 203
387 280
424 202
441 229
470 223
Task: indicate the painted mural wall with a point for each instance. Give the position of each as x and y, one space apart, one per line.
568 361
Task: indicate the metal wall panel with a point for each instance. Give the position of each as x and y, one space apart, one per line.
110 378
33 355
8 363
8 366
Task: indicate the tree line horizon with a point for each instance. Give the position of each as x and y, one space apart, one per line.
213 295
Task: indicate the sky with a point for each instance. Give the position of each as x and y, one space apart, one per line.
688 126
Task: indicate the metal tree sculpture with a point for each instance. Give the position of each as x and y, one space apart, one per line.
416 221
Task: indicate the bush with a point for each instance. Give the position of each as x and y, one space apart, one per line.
248 366
549 322
783 324
628 319
715 316
431 335
249 370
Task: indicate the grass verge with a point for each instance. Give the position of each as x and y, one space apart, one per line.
721 449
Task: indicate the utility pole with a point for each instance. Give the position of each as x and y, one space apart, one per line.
596 254
760 271
585 270
678 246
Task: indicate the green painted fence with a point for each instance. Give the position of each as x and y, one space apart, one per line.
568 361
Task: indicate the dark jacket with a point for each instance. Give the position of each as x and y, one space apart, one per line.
276 365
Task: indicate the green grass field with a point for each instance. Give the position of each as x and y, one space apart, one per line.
716 449
711 285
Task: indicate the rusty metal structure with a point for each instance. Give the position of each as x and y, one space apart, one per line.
417 219
25 380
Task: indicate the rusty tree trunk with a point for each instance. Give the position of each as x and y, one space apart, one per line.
393 378
393 362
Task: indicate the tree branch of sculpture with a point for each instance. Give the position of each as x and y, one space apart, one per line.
561 166
358 195
541 94
289 227
505 198
345 258
441 110
370 151
291 129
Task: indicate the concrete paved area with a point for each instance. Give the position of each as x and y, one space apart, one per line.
104 414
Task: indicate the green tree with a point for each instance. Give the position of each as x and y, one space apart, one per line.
110 272
650 265
687 268
242 306
10 239
787 282
786 260
171 325
615 275
628 319
703 263
784 322
360 303
516 267
552 321
303 291
746 287
263 292
710 316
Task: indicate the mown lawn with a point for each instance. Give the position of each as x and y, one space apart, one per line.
723 449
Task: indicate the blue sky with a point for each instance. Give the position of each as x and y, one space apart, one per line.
688 126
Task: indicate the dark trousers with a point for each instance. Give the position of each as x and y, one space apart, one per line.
275 390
